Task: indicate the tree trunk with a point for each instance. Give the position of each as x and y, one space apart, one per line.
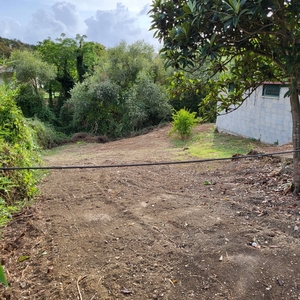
50 103
295 110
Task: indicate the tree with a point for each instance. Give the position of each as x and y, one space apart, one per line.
124 94
32 74
226 32
31 69
93 103
87 56
7 46
73 58
123 63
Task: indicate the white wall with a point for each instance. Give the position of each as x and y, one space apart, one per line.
264 118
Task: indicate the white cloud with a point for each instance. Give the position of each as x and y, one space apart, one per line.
7 26
63 18
106 22
43 25
66 13
94 5
109 27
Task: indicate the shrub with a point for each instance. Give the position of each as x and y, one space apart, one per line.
146 104
17 149
33 105
45 134
183 123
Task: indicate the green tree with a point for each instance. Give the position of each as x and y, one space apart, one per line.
124 94
94 103
32 74
123 63
7 46
226 32
87 56
31 69
146 104
73 58
185 93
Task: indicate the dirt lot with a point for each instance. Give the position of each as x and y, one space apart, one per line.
221 230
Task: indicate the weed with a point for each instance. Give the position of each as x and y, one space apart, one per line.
183 122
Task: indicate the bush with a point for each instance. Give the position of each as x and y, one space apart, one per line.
146 104
45 135
17 149
183 123
94 104
33 105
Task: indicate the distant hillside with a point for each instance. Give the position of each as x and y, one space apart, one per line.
8 45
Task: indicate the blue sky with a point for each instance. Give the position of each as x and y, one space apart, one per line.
105 21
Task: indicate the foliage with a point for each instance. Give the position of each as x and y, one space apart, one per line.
45 134
123 95
186 92
146 105
17 149
123 63
104 91
183 123
6 211
33 105
2 276
31 74
228 32
73 58
30 68
92 103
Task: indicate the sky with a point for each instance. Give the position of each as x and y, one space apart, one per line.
105 21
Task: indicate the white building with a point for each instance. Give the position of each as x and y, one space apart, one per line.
265 116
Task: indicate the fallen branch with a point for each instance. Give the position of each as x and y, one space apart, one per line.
78 288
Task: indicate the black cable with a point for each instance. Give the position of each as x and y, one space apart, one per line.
147 164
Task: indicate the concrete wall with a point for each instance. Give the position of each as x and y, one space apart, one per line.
264 118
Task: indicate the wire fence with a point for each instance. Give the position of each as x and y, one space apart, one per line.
259 155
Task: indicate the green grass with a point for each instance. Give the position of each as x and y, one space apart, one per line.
209 144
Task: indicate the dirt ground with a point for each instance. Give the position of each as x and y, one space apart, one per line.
213 230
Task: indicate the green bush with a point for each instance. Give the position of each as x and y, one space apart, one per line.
94 104
33 105
45 134
183 123
145 105
17 149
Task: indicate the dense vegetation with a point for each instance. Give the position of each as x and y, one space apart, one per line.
18 147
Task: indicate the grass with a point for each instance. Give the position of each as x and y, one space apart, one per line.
53 151
208 144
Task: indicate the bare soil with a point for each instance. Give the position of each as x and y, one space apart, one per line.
214 230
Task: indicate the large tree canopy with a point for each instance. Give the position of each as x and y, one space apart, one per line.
228 31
